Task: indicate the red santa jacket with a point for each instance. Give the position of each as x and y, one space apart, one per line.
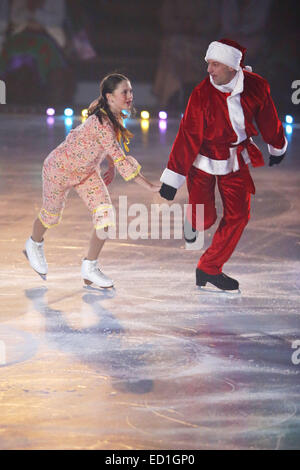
217 127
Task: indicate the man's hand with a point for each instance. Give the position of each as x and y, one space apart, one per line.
167 192
276 160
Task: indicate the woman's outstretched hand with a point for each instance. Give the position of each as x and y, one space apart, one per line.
154 188
140 179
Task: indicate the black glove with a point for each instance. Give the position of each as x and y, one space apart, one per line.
190 233
167 192
276 160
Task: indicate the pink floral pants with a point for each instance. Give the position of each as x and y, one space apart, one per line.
57 182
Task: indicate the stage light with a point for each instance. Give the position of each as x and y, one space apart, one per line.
68 124
144 124
145 115
289 129
68 121
50 112
162 125
50 120
68 112
162 115
84 113
289 119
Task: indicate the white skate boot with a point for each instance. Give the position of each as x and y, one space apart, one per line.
91 274
34 252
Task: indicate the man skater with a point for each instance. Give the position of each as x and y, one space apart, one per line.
214 144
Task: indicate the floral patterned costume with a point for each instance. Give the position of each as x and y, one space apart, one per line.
75 163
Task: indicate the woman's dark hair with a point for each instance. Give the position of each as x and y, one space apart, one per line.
100 106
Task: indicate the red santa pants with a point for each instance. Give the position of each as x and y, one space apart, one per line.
235 190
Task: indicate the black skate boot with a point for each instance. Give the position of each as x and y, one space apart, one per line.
221 281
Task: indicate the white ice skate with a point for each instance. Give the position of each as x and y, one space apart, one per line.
34 252
91 274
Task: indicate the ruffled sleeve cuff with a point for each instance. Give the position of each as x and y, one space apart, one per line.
128 167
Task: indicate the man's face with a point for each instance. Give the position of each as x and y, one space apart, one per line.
220 73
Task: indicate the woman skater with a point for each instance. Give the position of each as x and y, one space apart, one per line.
75 163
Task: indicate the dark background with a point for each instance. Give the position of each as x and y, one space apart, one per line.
159 43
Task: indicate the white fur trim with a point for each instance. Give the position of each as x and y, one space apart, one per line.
237 118
235 110
224 54
278 152
172 179
245 155
217 167
221 167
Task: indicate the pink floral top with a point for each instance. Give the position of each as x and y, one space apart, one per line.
89 144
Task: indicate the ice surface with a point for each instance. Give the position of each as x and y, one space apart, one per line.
154 363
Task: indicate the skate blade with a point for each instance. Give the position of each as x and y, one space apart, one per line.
215 290
96 288
43 276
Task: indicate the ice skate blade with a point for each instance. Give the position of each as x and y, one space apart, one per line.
91 286
215 290
99 289
43 276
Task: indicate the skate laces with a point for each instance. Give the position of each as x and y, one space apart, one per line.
95 267
40 253
99 271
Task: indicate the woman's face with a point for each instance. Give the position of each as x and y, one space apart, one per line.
121 98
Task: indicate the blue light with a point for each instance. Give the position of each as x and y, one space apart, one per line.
289 129
289 119
68 112
68 122
126 117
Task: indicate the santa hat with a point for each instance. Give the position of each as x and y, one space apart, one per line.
227 52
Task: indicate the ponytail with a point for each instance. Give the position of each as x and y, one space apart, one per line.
93 106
